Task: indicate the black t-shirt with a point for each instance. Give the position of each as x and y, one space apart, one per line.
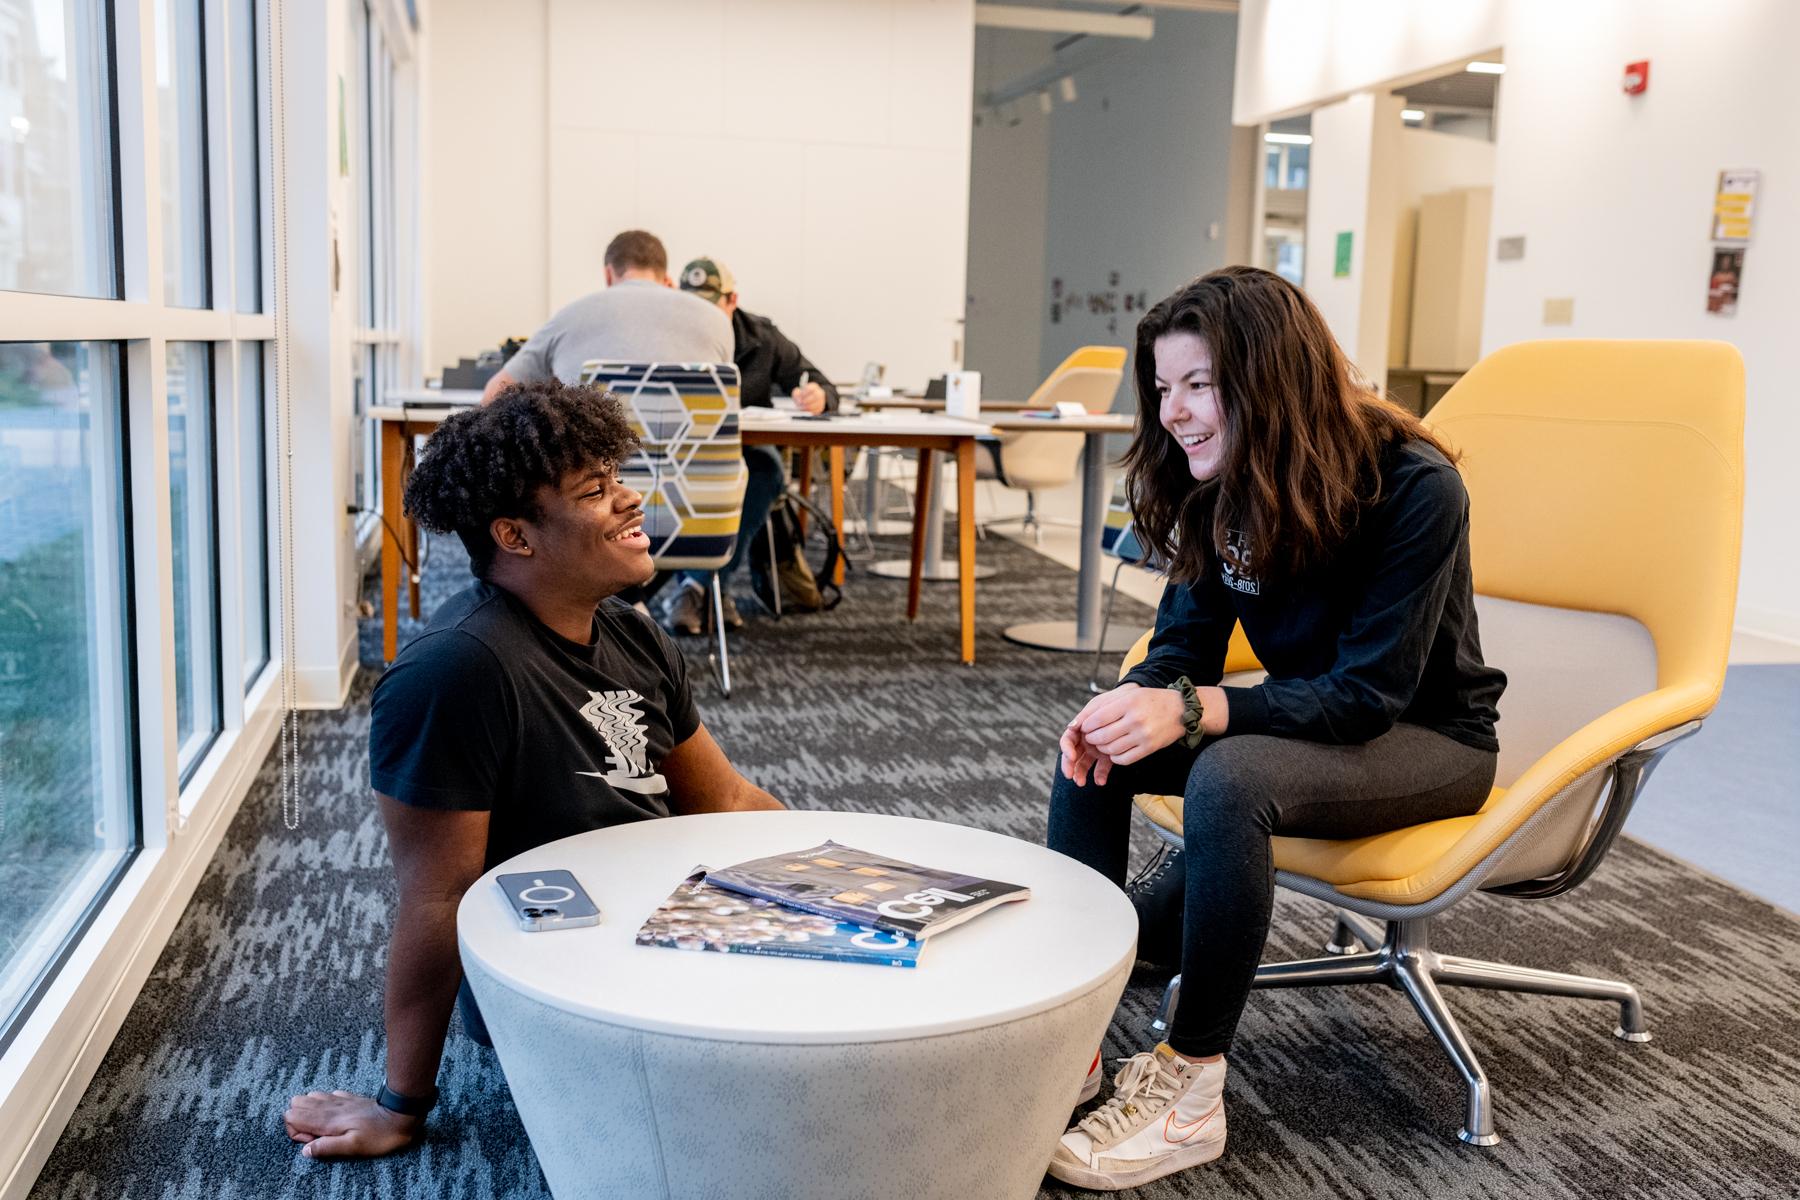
491 710
1384 632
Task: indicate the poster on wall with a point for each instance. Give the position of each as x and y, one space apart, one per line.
1734 205
1722 284
1341 268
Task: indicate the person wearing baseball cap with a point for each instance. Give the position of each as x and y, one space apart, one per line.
766 359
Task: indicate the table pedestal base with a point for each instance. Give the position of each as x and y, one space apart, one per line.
1060 635
943 572
627 1114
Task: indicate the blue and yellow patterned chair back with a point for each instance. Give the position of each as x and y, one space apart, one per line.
691 465
1119 537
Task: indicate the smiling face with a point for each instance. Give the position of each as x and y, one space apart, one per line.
1188 402
588 535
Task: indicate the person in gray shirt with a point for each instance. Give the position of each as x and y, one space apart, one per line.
640 317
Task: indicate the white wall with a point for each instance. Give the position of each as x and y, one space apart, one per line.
1612 193
486 262
1352 186
1441 162
820 149
1296 54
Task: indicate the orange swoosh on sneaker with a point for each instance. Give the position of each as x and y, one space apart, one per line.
1171 1125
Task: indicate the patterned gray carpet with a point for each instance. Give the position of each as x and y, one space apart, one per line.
271 983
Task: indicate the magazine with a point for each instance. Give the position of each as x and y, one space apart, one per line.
865 889
700 917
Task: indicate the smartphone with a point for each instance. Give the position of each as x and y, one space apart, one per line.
547 900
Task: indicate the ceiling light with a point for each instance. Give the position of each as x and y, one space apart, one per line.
1412 114
1288 139
1486 68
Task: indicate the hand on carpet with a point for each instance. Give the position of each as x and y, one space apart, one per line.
345 1125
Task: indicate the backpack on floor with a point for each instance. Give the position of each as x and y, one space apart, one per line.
801 589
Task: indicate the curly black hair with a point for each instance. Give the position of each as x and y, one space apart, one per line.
490 461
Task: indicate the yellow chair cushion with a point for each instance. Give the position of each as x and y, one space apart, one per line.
1395 867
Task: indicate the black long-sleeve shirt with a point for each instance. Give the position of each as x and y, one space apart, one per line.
767 358
1384 632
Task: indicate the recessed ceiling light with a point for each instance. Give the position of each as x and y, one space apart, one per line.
1288 139
1412 114
1487 68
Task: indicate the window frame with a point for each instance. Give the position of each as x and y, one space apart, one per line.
211 352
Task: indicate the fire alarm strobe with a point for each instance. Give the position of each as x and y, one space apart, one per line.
1637 77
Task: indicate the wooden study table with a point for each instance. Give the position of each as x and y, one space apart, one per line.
421 412
929 434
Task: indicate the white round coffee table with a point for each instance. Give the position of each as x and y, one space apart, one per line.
642 1072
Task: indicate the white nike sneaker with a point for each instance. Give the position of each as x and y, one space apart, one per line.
1091 1088
1165 1114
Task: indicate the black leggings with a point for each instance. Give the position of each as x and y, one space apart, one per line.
1237 792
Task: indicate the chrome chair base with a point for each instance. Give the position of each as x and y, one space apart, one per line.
1403 960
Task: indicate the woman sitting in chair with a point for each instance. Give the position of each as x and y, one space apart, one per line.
1288 496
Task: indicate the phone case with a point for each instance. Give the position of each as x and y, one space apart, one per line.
543 900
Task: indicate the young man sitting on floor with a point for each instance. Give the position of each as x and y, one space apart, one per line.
497 729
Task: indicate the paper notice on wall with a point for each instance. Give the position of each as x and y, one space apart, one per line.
1722 284
1734 206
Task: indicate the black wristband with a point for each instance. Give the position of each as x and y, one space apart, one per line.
406 1106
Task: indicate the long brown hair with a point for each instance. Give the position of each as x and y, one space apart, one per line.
1302 435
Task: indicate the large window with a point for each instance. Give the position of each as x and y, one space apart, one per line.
193 519
181 118
56 149
140 385
67 808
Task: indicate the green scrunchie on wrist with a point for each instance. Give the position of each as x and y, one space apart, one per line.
1192 712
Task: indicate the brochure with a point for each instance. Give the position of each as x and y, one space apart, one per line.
700 917
866 889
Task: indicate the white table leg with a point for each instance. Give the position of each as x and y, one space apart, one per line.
1082 634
